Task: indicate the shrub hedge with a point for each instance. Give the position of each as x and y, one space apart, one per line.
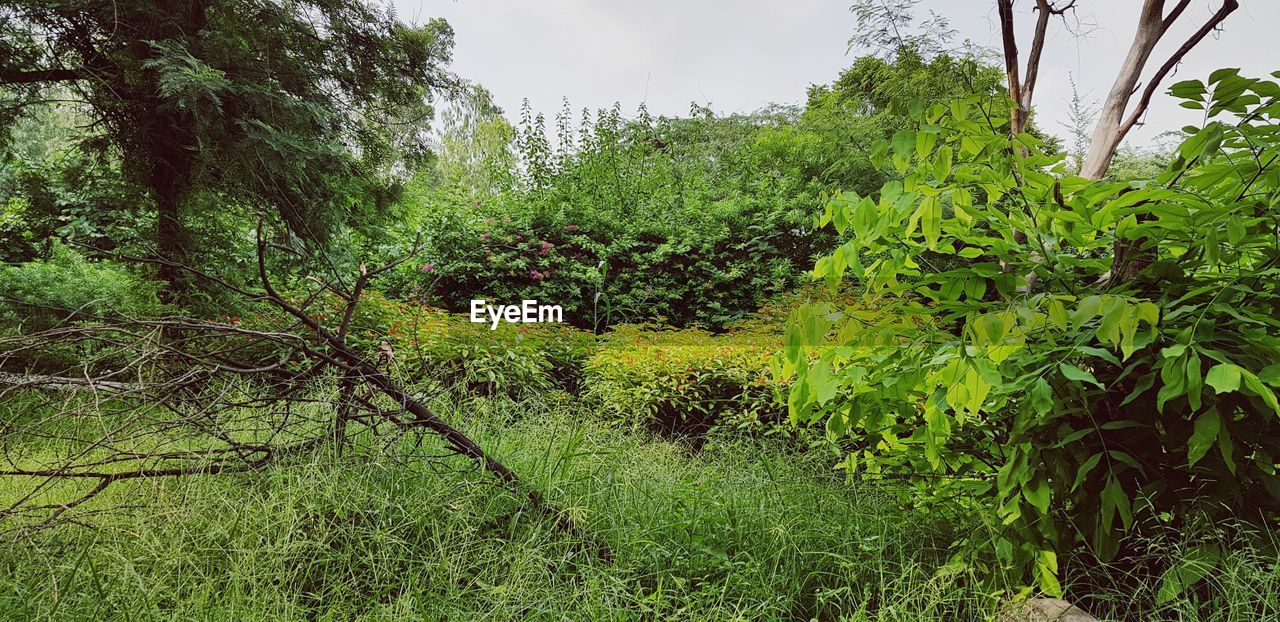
684 382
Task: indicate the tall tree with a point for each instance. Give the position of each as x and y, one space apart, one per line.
297 106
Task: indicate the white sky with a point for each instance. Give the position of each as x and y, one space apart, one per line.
739 55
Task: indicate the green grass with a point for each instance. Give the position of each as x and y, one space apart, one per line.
734 532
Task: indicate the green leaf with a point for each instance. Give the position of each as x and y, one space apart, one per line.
1235 230
1071 372
1084 470
1115 500
1047 573
822 384
903 142
1224 378
931 221
1206 432
1195 380
1188 89
1195 565
1058 313
1041 397
1255 385
924 144
1037 494
1086 310
942 164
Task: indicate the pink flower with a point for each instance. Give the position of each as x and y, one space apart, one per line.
537 276
519 238
484 236
571 227
428 267
546 247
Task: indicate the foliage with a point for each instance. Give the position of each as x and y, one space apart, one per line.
475 156
513 360
740 532
430 347
70 288
632 220
52 189
886 27
64 290
737 532
1081 400
73 198
685 381
308 110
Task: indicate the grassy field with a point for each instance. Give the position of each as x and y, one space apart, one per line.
733 532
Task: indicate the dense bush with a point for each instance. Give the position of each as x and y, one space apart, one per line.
685 382
513 360
429 346
633 221
69 288
1097 361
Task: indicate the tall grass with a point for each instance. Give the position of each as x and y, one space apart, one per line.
734 532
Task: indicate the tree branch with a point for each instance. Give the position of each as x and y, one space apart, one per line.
15 76
1228 6
1009 42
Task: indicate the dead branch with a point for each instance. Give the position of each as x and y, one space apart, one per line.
252 395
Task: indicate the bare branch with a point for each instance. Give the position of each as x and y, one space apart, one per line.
1214 21
13 76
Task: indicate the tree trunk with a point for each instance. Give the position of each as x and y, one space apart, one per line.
1110 129
170 242
1113 125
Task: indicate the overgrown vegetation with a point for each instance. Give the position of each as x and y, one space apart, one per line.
1076 375
892 354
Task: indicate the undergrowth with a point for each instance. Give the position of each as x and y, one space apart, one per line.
735 531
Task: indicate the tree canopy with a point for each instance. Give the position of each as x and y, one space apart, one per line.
311 110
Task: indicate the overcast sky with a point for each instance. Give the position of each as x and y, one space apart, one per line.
739 55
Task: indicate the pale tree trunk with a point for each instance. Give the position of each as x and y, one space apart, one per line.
1113 124
1154 21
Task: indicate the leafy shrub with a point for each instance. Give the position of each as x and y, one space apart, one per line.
1098 361
68 289
685 381
514 360
427 346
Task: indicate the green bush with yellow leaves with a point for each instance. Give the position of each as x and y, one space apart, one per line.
684 382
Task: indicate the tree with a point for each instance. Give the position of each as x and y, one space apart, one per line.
887 26
1154 20
1083 416
301 107
475 144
